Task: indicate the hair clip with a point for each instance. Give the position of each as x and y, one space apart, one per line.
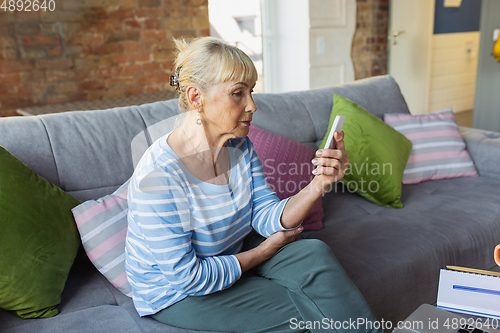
174 79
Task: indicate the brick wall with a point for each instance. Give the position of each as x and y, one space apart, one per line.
92 49
369 45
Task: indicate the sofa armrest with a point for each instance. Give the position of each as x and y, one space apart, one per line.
484 149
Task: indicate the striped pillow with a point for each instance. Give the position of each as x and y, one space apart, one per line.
102 224
438 150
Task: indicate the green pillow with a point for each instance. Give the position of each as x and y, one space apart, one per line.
377 154
38 240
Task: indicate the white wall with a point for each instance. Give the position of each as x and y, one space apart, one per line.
333 23
223 15
286 45
307 43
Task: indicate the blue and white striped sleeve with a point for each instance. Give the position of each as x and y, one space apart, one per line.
160 208
267 207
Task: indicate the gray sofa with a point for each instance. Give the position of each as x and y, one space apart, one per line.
392 255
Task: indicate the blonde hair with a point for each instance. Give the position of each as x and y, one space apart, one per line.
206 61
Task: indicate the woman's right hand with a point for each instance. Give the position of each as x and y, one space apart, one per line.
276 241
267 248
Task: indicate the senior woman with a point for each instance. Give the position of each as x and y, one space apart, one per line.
196 195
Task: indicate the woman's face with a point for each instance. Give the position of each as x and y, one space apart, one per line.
228 108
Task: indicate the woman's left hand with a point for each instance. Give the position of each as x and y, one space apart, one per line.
332 165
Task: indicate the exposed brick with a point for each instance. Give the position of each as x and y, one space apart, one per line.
164 55
153 45
131 46
154 34
41 40
201 22
107 27
56 99
73 50
185 33
167 66
77 96
151 67
171 12
113 93
15 66
33 53
59 75
6 90
152 24
124 35
27 28
147 13
153 79
131 70
7 113
120 14
133 91
93 95
16 102
87 39
369 45
128 3
189 11
203 10
120 82
10 79
100 61
131 57
108 48
132 23
8 28
96 49
205 32
66 87
7 42
55 51
195 3
100 73
91 85
50 27
148 3
153 89
54 64
23 90
33 76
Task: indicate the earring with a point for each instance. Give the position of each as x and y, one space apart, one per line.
198 120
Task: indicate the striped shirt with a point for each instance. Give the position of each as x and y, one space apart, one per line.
183 233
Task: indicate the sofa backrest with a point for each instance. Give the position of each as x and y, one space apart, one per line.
91 153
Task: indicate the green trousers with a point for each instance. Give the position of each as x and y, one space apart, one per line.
302 288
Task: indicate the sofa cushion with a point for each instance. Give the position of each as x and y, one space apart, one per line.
38 242
377 154
102 224
287 166
438 149
104 318
394 256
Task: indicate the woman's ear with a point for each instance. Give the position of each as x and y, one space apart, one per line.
194 97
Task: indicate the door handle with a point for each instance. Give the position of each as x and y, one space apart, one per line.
395 35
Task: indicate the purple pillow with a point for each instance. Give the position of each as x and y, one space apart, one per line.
287 166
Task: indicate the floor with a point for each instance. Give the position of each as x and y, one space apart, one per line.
464 118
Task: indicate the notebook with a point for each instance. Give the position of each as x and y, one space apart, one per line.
469 293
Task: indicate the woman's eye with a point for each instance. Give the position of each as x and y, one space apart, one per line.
237 93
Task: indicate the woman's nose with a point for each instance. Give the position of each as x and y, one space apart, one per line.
251 107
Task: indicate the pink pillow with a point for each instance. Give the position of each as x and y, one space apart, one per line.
287 166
